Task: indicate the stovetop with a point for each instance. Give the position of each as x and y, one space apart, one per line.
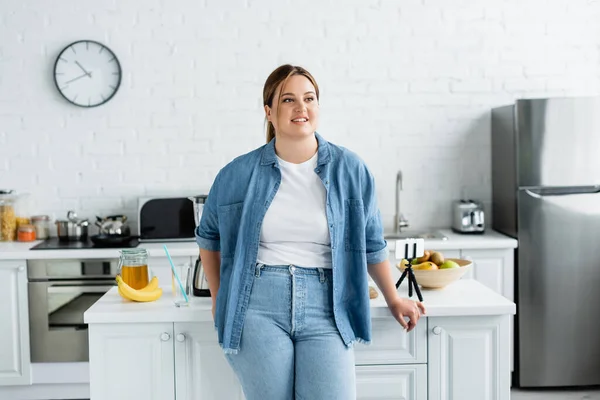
55 244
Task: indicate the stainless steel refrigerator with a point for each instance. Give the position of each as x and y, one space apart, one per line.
546 194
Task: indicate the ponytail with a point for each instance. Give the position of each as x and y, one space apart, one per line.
270 131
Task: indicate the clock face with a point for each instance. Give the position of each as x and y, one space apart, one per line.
87 73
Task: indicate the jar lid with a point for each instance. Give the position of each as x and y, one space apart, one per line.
40 218
26 228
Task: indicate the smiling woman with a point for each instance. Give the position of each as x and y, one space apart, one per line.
287 237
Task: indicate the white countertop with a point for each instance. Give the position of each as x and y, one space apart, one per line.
466 297
21 251
488 240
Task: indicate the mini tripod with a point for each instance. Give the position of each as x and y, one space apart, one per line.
408 272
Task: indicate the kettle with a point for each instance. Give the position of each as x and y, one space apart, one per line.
200 284
113 225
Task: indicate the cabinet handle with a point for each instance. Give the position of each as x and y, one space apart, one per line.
165 336
437 330
180 337
21 268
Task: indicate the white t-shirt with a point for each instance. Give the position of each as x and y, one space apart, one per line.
295 230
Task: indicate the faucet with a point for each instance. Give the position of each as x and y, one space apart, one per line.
399 220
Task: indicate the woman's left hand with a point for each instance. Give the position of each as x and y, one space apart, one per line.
401 308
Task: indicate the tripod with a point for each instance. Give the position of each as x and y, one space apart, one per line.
408 272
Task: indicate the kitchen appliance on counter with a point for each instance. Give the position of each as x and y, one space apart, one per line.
200 284
113 231
73 228
60 291
468 216
546 194
165 219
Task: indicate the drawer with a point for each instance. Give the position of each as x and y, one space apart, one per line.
390 344
391 382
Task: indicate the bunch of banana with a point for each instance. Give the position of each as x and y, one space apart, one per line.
150 293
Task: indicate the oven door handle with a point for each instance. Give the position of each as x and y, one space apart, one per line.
79 286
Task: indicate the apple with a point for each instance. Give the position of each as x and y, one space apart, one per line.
449 264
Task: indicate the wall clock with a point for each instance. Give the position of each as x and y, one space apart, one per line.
87 73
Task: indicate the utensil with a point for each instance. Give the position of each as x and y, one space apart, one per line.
175 274
72 228
113 225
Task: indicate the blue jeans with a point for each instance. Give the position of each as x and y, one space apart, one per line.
290 346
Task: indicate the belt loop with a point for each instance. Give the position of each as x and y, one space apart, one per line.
257 269
321 275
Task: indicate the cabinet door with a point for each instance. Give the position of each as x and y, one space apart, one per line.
15 362
391 382
132 362
493 268
201 370
392 345
469 358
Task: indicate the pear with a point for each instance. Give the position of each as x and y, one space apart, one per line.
427 265
449 264
425 257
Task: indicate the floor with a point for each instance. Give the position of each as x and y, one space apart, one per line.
584 394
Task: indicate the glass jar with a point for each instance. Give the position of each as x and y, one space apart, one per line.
133 268
42 226
8 218
26 233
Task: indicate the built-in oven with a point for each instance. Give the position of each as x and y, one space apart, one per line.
60 291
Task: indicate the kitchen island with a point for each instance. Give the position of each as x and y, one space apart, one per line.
21 377
460 349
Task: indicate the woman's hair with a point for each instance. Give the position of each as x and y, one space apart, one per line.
281 76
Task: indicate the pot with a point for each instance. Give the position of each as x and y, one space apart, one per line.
73 228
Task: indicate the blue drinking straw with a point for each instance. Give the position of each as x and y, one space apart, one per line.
175 273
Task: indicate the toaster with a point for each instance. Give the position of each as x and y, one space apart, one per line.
468 216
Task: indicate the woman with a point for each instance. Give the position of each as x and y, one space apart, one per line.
288 234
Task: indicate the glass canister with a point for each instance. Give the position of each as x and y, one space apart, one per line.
133 267
8 218
42 226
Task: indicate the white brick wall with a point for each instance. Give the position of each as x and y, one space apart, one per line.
406 84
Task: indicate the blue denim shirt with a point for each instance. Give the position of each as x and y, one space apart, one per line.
232 219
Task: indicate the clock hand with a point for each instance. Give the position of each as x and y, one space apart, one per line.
74 79
83 69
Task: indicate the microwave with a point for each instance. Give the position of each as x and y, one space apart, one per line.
166 219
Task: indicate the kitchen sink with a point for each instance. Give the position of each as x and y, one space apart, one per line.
420 234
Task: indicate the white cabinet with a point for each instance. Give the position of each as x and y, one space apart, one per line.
201 370
392 345
391 382
494 268
132 362
469 358
15 364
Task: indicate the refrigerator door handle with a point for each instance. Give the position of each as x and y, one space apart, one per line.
532 194
545 192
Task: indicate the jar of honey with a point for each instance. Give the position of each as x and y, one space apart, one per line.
133 267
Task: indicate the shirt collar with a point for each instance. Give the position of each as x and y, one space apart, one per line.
324 153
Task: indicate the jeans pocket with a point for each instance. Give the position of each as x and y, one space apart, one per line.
355 226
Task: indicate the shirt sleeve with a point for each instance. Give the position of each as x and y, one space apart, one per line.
376 245
207 232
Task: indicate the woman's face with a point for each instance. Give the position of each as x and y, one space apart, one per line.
298 108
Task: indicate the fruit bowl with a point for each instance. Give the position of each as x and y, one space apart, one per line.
439 278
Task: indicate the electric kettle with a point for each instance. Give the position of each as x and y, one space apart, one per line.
200 284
